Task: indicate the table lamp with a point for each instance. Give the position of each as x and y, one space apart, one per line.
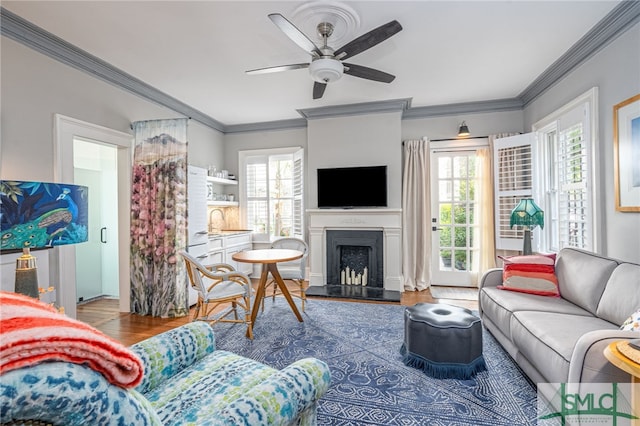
38 215
529 215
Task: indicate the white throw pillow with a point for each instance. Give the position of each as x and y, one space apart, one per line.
632 323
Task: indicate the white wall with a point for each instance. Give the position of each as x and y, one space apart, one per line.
35 87
483 124
236 142
359 140
616 72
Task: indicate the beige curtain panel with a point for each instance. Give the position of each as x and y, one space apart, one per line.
416 213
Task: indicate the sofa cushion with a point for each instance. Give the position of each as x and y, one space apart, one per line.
582 277
547 339
621 296
499 305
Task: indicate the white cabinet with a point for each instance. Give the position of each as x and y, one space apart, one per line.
223 247
234 244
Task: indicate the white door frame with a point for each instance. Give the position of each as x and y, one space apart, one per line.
63 258
448 277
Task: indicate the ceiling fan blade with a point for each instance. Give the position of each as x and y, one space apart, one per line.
368 73
278 68
368 40
295 34
318 89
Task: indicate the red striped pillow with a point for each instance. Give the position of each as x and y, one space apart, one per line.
533 274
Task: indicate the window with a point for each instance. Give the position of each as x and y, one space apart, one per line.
567 185
513 169
273 191
555 166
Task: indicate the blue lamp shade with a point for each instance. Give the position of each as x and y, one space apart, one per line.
40 214
528 214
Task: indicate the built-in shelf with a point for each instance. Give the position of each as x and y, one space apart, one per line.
222 203
221 180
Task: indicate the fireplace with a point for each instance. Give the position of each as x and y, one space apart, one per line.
354 257
355 238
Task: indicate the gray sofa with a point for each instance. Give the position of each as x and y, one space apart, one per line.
561 340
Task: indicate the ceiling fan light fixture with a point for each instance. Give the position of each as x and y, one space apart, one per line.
326 70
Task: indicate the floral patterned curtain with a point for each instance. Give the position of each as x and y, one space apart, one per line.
158 218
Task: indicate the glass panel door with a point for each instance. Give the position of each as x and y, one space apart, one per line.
454 225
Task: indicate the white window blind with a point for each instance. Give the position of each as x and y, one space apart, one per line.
298 194
273 192
574 201
513 171
568 181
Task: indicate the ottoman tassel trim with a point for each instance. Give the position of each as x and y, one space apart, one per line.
443 370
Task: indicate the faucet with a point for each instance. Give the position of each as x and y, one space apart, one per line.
211 227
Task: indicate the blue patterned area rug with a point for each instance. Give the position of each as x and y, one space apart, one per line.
370 384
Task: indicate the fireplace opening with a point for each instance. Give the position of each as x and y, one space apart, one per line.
355 258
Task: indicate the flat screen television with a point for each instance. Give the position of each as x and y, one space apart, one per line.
350 187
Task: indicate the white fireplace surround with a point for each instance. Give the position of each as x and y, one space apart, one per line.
387 220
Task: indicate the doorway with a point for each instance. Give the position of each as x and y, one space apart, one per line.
95 166
455 229
63 258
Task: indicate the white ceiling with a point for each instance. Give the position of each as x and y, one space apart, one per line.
197 51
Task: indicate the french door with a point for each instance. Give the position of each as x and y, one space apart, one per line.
455 238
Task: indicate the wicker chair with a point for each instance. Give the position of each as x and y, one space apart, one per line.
216 285
293 271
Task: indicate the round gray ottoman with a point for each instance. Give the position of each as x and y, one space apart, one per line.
442 340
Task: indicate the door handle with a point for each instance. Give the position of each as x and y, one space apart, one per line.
202 233
103 235
435 228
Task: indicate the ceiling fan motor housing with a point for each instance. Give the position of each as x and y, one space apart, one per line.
326 70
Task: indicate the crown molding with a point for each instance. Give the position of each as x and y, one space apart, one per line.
463 108
393 105
30 35
294 123
620 19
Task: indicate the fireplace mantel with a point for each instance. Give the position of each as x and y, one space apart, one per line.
387 220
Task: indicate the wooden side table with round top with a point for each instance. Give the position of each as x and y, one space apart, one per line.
269 259
620 354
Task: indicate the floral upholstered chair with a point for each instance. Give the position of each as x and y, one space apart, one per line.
174 378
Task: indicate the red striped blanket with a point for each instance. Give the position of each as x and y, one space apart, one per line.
32 332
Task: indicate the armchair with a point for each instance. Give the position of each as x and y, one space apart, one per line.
217 285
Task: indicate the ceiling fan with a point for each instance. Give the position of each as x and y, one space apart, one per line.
326 63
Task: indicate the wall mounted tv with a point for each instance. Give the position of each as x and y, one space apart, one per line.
349 187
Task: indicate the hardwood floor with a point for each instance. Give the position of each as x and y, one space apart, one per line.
131 328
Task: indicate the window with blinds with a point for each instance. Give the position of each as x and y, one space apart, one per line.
568 180
273 192
571 155
513 169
